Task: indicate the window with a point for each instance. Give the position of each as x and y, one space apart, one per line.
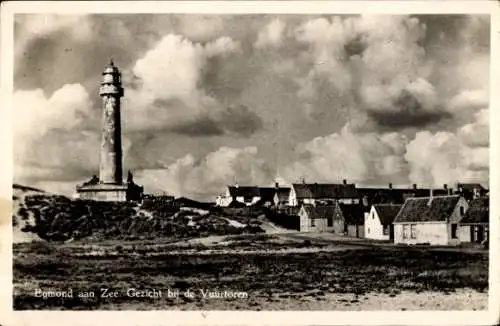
330 221
386 229
368 231
406 231
413 231
454 231
462 210
313 222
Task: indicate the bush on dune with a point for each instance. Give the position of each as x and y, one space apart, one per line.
58 218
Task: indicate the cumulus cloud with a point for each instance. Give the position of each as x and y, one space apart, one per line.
65 108
439 158
445 157
166 91
204 178
32 26
239 121
51 139
476 134
366 157
393 82
271 35
373 63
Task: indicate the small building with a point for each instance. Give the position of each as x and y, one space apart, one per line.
322 194
274 196
474 227
471 191
378 222
247 195
392 195
430 220
348 220
316 218
281 196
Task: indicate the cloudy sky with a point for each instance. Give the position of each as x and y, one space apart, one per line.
217 99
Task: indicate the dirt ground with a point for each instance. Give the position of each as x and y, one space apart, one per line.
248 272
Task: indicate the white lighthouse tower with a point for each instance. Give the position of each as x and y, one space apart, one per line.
109 186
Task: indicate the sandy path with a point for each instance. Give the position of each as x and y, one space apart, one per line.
462 299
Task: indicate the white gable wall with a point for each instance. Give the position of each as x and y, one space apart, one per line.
292 198
433 233
320 224
373 227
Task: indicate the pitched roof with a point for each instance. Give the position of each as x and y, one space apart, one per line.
320 211
478 212
302 190
267 193
246 191
324 190
283 193
471 186
426 209
353 214
387 212
396 195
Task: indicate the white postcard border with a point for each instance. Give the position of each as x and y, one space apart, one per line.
9 317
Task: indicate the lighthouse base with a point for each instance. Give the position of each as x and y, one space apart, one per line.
109 192
103 192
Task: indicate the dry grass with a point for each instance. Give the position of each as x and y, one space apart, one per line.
270 280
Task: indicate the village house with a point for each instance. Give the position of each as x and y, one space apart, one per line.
378 222
391 195
281 196
322 194
266 196
247 195
348 220
274 196
316 218
471 191
474 227
430 220
252 195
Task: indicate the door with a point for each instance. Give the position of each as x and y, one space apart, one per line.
480 233
391 232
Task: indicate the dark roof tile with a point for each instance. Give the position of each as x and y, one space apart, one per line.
245 191
353 214
427 209
325 190
478 212
320 211
387 212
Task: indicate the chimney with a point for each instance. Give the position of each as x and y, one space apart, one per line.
390 185
450 191
236 185
415 186
445 186
431 192
304 180
276 185
344 181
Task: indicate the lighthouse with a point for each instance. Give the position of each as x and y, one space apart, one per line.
109 185
111 90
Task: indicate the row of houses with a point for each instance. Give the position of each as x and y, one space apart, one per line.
404 215
434 220
345 193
